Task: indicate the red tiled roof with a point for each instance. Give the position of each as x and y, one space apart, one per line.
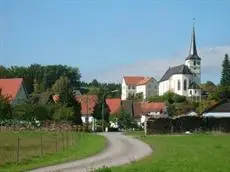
133 80
136 80
144 81
146 107
10 87
114 105
92 100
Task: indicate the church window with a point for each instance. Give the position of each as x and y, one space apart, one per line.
185 84
198 63
190 92
194 63
178 85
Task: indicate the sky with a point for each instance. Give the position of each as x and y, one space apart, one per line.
109 39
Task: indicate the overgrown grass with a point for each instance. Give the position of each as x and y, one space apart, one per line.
188 153
56 149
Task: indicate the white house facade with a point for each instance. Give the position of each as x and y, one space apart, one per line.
132 85
186 78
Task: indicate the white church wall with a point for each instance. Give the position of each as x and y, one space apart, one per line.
194 92
163 87
174 84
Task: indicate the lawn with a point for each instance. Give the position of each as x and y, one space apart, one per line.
189 153
38 149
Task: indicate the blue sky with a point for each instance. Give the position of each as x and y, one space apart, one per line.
108 39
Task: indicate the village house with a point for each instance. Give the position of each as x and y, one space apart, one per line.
88 103
142 110
132 85
221 109
14 89
186 78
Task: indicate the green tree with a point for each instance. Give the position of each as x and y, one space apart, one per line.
171 109
62 87
5 108
125 120
156 99
225 78
97 112
63 113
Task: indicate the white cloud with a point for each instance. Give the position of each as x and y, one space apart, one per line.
211 66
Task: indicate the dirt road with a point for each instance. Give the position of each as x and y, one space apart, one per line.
121 150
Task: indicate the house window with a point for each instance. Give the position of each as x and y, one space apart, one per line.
178 85
129 86
190 92
194 63
185 84
198 63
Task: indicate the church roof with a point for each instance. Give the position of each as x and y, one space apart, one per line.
181 69
193 85
193 51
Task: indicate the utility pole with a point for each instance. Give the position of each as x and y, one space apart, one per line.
102 112
87 115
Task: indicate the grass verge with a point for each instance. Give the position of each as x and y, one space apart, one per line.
84 145
188 153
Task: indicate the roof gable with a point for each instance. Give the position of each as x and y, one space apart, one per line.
181 69
193 85
146 107
222 106
10 87
114 105
88 103
133 80
137 80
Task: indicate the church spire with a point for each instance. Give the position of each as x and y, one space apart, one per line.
192 50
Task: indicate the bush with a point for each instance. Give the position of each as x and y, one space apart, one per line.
104 169
178 98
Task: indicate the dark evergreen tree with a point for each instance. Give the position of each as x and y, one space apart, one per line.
225 79
125 120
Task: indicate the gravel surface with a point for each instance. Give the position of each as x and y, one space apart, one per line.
121 149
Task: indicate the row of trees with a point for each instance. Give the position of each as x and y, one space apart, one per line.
65 109
43 76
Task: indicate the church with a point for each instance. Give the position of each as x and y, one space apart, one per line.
184 79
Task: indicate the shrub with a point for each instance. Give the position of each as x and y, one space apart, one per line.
104 169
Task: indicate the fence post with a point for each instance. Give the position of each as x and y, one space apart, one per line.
56 142
67 138
18 149
41 146
63 140
145 125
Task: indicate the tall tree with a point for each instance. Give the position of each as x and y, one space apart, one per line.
5 108
62 87
225 79
125 120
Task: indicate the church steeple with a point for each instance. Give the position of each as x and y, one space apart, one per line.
193 51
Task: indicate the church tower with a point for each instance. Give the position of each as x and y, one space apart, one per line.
193 61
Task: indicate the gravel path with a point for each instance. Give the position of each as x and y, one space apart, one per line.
121 150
